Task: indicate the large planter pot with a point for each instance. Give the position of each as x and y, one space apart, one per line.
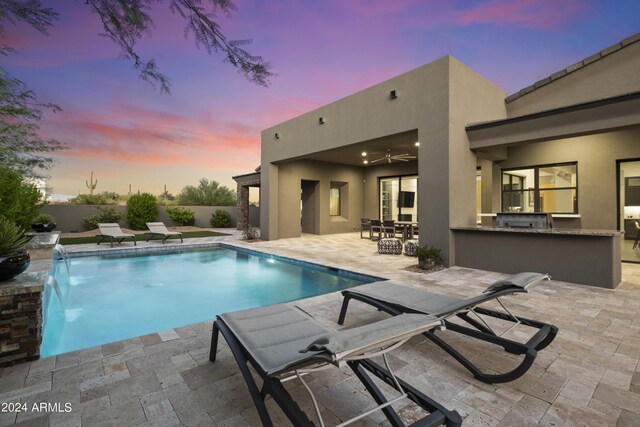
14 264
426 263
43 227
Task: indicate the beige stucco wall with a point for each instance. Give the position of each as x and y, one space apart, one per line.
437 99
290 176
596 156
615 74
471 99
369 114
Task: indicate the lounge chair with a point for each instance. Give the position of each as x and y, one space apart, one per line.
158 229
113 232
396 300
282 342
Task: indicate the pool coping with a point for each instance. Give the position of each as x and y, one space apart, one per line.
195 246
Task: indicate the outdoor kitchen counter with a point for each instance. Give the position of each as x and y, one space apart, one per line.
565 231
588 257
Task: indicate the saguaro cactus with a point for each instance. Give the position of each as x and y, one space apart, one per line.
91 185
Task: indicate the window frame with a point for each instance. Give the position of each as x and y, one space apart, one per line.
536 187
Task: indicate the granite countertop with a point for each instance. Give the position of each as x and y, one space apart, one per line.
553 231
23 283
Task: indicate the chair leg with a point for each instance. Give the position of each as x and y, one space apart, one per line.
214 342
343 310
243 362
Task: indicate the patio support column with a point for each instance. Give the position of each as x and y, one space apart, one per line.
242 206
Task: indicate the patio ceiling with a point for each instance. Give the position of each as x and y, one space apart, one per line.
400 143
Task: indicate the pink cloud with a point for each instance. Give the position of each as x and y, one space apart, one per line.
150 137
534 14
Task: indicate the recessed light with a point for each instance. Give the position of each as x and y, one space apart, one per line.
366 162
417 144
364 153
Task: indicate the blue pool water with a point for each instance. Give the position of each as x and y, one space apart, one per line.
109 298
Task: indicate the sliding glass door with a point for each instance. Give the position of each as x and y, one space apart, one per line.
399 198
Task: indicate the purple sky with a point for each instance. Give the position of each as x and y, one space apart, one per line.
128 133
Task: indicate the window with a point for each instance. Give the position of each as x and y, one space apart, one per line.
551 188
334 201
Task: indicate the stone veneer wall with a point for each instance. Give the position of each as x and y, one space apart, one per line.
21 320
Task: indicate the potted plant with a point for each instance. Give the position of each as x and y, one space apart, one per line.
43 223
428 256
14 259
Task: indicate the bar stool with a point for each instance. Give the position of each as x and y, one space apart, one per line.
636 243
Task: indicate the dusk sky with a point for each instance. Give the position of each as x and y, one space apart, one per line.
127 132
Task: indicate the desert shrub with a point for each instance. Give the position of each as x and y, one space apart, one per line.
220 219
428 252
19 200
141 208
181 215
107 215
12 238
104 198
44 218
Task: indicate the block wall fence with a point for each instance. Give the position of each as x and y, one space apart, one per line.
69 217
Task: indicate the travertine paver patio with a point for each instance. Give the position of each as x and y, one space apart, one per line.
588 376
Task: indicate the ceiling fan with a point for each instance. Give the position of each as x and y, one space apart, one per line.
399 157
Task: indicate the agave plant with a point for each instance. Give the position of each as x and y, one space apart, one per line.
12 238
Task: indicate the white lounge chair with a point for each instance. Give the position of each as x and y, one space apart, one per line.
111 232
158 229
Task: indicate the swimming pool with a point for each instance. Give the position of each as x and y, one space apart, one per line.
108 298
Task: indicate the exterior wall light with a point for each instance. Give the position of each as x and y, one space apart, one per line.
321 120
393 94
277 135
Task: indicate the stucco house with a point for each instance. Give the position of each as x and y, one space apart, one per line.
568 145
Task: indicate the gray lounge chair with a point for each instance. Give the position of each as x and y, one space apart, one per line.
282 342
158 229
396 300
113 232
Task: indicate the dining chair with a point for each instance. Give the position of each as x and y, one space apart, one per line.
365 225
376 227
389 228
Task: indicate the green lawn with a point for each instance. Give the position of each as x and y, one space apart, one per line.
140 237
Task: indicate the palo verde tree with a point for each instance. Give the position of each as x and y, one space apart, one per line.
125 22
21 147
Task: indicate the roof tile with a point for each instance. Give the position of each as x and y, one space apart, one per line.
632 39
570 69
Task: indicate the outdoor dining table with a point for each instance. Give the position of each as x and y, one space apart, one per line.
407 229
